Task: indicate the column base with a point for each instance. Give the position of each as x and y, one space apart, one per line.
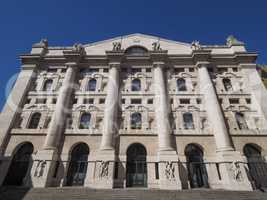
43 168
169 170
103 171
233 171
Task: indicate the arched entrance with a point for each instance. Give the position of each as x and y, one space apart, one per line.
136 168
256 164
19 165
78 165
197 173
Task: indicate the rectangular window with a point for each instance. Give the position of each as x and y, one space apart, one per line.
235 69
75 100
54 101
150 101
148 69
88 101
101 101
222 70
40 101
105 70
184 101
178 70
28 101
191 69
52 70
122 101
136 101
135 70
234 101
248 101
157 170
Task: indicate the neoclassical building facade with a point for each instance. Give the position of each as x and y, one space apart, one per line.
136 111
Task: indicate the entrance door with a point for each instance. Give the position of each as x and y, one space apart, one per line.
136 168
197 172
19 165
78 165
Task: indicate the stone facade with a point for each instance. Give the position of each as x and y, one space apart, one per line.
136 111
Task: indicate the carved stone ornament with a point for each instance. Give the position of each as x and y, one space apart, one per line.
195 45
116 46
231 40
103 173
39 171
169 171
156 46
43 43
236 170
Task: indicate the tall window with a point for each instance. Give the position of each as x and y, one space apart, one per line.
91 85
188 121
35 121
136 121
227 84
241 121
48 85
181 85
136 85
85 121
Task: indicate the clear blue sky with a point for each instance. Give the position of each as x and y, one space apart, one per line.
64 22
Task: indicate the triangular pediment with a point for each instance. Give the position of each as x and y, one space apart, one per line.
137 39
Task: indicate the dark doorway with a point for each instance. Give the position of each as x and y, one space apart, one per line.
197 173
256 164
136 168
19 165
78 165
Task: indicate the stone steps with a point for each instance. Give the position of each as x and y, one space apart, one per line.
81 193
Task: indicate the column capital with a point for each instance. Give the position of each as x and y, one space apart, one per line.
200 64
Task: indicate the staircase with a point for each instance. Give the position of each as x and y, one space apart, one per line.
81 193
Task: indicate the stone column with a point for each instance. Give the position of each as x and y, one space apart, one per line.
111 108
231 165
14 104
47 157
214 111
162 109
167 156
106 156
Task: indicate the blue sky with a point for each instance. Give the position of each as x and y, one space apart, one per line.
69 21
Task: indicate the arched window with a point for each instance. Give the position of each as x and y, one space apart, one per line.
136 51
85 121
227 84
78 165
48 85
19 166
136 85
34 122
240 119
181 84
197 170
188 121
256 164
91 85
136 121
136 167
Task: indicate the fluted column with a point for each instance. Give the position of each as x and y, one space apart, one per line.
58 119
214 111
162 108
111 108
